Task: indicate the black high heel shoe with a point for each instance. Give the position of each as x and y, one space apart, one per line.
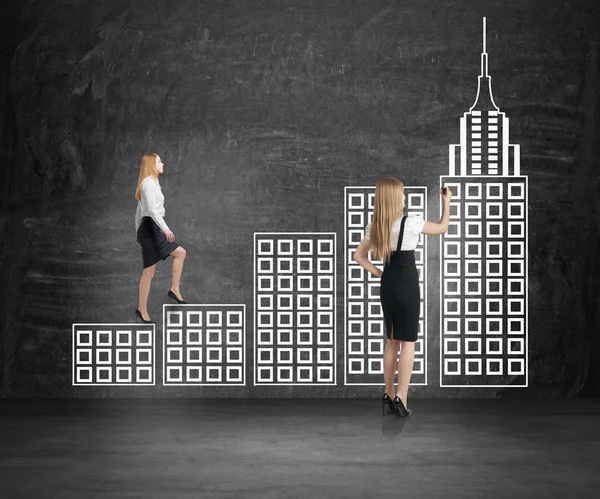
387 400
173 296
138 315
401 409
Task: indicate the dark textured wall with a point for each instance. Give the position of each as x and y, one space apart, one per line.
262 112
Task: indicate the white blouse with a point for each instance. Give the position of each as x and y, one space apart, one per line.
152 204
412 229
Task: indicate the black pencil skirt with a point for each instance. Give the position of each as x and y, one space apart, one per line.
400 296
154 243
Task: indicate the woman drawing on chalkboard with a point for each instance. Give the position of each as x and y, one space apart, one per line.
153 234
392 239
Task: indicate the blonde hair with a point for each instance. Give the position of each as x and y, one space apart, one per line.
147 169
389 207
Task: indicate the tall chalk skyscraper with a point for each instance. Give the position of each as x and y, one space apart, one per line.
483 285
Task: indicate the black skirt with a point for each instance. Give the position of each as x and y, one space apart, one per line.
153 241
400 294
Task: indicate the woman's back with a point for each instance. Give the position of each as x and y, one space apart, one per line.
412 228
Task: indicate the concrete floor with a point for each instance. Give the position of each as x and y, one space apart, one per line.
304 448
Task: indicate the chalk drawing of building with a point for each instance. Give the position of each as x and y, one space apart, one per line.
483 255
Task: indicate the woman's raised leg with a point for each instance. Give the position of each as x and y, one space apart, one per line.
178 259
145 282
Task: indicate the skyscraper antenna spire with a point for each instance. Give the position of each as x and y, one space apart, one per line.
484 35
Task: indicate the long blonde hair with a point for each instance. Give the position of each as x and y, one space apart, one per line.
389 206
147 169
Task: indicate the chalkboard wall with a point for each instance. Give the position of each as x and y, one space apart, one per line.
263 111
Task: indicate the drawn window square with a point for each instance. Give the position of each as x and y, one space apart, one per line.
104 374
285 265
324 302
356 201
472 286
493 249
324 337
515 286
451 346
515 306
494 191
193 337
123 374
494 268
304 355
456 189
472 210
494 326
473 249
516 210
472 268
451 326
264 266
285 302
304 247
103 356
493 286
516 366
374 327
285 337
214 355
285 283
324 283
516 326
473 367
473 191
265 283
325 265
493 210
304 302
355 347
194 355
285 356
124 338
174 337
304 319
355 237
452 286
143 338
214 318
516 191
284 319
516 249
451 306
305 283
493 229
194 318
325 355
494 367
305 265
174 355
234 355
265 302
473 326
356 310
234 318
451 367
451 249
123 356
285 247
473 346
493 306
265 374
324 319
515 268
415 201
265 246
304 337
472 306
516 229
454 210
453 230
213 336
356 219
103 338
325 247
452 268
265 319
264 355
193 374
516 346
84 356
84 338
234 336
